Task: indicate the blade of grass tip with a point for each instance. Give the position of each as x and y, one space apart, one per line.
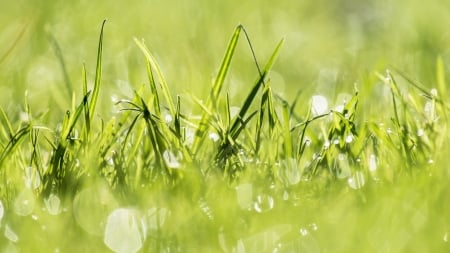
154 65
259 82
98 74
217 87
153 89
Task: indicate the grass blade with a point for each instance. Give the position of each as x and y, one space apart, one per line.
259 82
154 65
217 87
98 74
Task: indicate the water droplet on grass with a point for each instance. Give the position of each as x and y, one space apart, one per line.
319 105
10 234
214 137
122 231
304 231
420 132
285 195
445 238
32 178
434 92
263 203
206 209
171 160
313 226
357 180
234 110
24 202
349 138
372 163
168 118
53 204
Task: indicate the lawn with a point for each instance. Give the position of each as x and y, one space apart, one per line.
224 126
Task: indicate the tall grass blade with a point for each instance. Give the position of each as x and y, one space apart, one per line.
98 75
258 84
162 81
217 87
87 118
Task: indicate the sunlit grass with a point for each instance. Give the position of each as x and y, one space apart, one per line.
360 171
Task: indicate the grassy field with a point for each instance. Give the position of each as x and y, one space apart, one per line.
224 126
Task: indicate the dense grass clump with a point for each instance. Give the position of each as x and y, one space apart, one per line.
261 174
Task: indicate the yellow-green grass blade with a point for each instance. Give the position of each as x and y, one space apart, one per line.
217 87
258 84
98 74
162 81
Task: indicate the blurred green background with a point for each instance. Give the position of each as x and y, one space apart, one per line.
330 45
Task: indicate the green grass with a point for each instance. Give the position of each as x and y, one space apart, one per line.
160 169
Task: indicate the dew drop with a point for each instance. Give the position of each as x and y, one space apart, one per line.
171 160
53 204
304 231
10 234
263 203
32 178
445 237
357 180
434 92
327 144
24 202
420 132
214 137
168 118
349 138
339 108
206 209
313 226
285 195
372 163
234 110
122 231
319 105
